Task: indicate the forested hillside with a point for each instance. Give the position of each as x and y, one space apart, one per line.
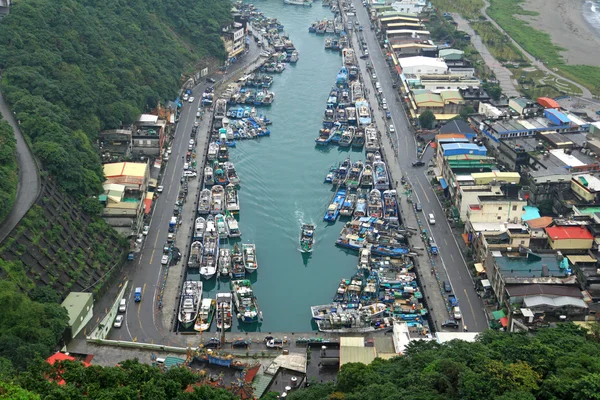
72 68
8 169
557 363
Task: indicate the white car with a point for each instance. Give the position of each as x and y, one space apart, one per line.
384 101
392 129
146 230
164 259
118 321
191 100
385 107
198 114
190 174
192 142
140 238
374 76
160 189
169 150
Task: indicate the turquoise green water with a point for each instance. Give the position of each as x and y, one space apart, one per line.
282 185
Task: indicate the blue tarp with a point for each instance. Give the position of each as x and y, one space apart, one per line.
443 183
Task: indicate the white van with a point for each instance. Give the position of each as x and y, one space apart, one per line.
123 305
186 166
431 219
377 85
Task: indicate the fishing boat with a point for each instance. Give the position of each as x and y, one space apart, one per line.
323 311
347 136
240 112
363 112
328 44
224 309
366 179
375 205
205 202
210 258
360 210
224 263
222 228
232 226
217 203
342 172
334 208
307 3
381 179
371 139
353 180
222 153
331 174
359 139
390 206
205 315
325 136
294 57
307 237
220 175
189 304
196 253
232 199
199 228
213 149
245 301
353 321
209 179
250 261
351 115
237 259
349 204
231 173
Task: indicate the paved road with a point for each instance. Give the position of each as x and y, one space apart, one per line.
538 64
451 259
29 186
143 322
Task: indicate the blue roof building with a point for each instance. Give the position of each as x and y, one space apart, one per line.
455 149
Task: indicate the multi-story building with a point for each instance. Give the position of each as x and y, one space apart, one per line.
148 136
234 39
497 209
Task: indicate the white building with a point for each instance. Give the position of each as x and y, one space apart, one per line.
423 66
409 6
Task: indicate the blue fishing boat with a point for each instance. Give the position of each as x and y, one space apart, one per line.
389 251
334 208
220 176
331 174
324 137
341 174
342 77
240 112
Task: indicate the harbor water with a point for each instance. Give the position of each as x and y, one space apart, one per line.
282 185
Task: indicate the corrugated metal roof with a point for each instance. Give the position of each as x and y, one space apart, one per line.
364 355
352 342
568 232
534 301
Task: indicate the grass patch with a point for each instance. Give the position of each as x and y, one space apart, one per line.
467 8
499 44
536 84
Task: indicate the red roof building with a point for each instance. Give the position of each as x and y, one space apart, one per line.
569 237
57 357
547 102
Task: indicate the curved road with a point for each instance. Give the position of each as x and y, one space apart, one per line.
29 186
538 64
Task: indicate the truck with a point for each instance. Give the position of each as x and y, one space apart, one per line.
452 300
138 294
172 224
434 248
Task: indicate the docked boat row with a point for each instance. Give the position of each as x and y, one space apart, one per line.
198 312
231 130
327 26
380 236
235 94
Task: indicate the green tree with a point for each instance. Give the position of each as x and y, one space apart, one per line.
466 111
427 119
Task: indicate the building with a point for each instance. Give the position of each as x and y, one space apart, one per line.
124 198
413 48
451 54
586 187
115 144
401 36
385 22
148 136
409 6
573 237
353 349
234 39
4 8
523 106
507 238
423 66
437 83
458 126
473 96
448 102
497 209
466 190
80 307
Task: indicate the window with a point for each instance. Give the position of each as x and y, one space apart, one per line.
522 242
499 217
499 208
514 208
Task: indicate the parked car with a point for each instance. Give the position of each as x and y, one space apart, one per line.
190 174
145 230
118 321
164 259
419 207
418 163
392 129
160 189
447 287
450 324
385 106
169 150
140 238
191 100
210 80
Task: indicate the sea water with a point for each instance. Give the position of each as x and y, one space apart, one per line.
591 13
282 184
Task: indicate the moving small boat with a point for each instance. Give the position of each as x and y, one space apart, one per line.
220 176
210 257
191 295
237 258
366 179
342 172
217 201
381 179
224 308
349 204
225 263
199 228
347 136
205 315
250 261
232 226
245 301
334 208
375 205
299 2
307 237
204 205
353 180
390 206
232 175
221 226
232 199
209 179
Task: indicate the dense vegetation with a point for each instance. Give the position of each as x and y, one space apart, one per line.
8 169
557 363
72 68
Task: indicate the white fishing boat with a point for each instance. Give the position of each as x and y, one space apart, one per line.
190 303
294 57
213 149
196 253
322 311
348 205
347 137
205 202
307 3
245 301
390 206
199 228
381 178
366 179
375 204
209 178
224 311
210 257
232 175
225 263
222 228
217 199
232 199
250 262
373 310
371 139
232 226
363 112
205 315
